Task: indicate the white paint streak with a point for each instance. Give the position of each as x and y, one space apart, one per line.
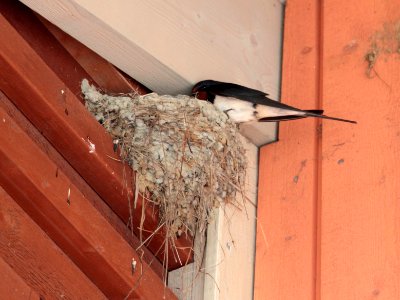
92 147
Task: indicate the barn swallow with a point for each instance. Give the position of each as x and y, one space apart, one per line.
243 104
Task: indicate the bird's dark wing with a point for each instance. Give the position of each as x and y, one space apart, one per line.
235 90
246 94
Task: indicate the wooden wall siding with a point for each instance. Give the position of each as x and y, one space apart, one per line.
78 181
328 220
27 251
41 79
36 184
53 107
12 284
360 178
287 186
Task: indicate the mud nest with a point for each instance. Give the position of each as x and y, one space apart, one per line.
187 155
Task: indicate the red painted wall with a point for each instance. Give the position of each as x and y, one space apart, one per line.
329 196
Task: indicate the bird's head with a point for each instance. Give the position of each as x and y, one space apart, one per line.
200 89
202 86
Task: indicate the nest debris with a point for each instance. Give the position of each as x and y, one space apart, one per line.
187 154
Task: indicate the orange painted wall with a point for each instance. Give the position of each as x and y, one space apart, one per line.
329 197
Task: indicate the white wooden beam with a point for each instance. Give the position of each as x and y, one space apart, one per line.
231 244
170 45
228 269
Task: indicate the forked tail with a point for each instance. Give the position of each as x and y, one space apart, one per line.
319 114
309 113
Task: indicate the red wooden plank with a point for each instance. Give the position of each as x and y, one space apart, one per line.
12 286
287 195
77 180
54 109
360 186
24 21
36 260
58 207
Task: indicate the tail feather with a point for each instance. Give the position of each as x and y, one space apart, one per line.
282 118
316 113
319 114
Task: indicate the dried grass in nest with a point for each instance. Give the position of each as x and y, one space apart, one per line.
185 152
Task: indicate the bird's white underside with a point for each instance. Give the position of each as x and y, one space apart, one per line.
243 111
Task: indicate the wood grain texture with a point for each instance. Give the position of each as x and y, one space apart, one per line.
360 187
53 54
78 181
28 250
287 185
12 286
54 108
169 46
58 207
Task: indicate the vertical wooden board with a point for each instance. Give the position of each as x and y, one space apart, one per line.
287 199
360 188
187 282
229 261
227 271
